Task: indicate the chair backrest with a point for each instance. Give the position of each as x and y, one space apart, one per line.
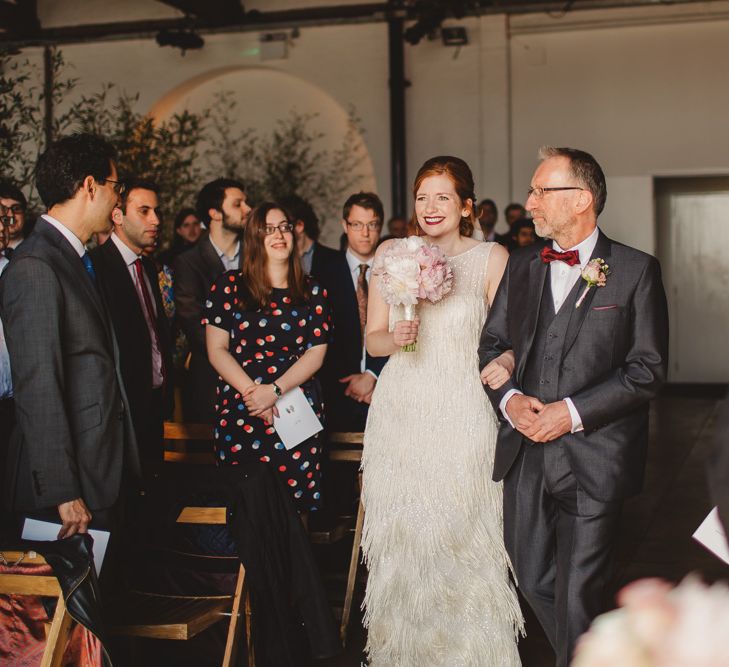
177 435
185 431
345 446
42 584
28 584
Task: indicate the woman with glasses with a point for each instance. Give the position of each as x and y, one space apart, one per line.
267 331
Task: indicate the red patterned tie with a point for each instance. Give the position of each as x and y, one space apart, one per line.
147 305
362 298
570 257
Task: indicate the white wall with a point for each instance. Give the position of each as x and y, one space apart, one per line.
345 66
645 100
643 89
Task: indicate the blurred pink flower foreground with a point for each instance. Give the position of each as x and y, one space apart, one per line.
661 626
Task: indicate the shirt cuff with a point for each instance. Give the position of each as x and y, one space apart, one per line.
504 401
372 373
576 419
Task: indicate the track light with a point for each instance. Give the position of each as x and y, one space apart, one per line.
186 40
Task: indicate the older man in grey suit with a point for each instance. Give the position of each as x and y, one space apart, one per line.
589 356
73 439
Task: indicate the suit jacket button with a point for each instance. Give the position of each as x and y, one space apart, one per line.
121 415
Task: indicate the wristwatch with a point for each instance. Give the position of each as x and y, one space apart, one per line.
276 389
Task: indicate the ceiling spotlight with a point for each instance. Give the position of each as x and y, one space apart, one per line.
454 36
186 40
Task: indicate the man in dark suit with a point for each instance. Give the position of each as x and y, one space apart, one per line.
349 374
222 206
74 441
314 256
129 283
574 430
13 207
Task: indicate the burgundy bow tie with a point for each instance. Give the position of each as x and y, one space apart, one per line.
571 257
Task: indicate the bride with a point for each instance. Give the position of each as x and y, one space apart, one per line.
438 592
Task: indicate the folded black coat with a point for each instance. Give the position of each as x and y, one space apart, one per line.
291 615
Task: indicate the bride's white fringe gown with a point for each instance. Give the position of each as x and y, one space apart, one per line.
438 591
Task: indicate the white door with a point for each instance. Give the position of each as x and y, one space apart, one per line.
693 246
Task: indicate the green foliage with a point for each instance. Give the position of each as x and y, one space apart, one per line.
22 103
181 153
166 153
287 161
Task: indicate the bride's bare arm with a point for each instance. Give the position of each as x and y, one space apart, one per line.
498 371
497 263
380 341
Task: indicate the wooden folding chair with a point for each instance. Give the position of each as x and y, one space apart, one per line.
348 447
42 585
182 617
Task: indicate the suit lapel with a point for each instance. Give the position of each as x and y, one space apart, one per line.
77 267
123 286
602 250
213 264
537 278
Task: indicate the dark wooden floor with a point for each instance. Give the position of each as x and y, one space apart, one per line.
655 535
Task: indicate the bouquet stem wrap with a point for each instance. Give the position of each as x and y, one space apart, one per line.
410 314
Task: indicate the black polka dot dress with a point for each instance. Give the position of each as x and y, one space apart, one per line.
266 342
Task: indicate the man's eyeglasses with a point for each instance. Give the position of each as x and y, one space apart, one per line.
284 228
118 186
538 193
359 226
14 209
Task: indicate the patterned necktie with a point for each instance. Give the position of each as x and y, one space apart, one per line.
89 266
362 298
147 305
570 257
8 252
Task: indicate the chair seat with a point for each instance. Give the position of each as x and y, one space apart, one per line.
166 616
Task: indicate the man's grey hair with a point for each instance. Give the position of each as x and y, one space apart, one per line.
586 171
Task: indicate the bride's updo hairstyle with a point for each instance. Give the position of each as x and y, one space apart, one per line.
461 177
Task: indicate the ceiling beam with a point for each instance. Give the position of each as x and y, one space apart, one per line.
255 21
211 10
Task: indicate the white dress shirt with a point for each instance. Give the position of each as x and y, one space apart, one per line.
353 261
130 257
230 263
562 279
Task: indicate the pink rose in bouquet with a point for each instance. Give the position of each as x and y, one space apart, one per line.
411 270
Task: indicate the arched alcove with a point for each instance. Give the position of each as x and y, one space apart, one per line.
263 97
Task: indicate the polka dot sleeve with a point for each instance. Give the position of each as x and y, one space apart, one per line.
222 302
320 321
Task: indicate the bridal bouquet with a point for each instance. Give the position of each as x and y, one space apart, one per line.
409 270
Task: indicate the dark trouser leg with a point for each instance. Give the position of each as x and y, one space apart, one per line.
529 531
7 423
585 538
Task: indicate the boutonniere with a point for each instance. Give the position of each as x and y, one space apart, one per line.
594 274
